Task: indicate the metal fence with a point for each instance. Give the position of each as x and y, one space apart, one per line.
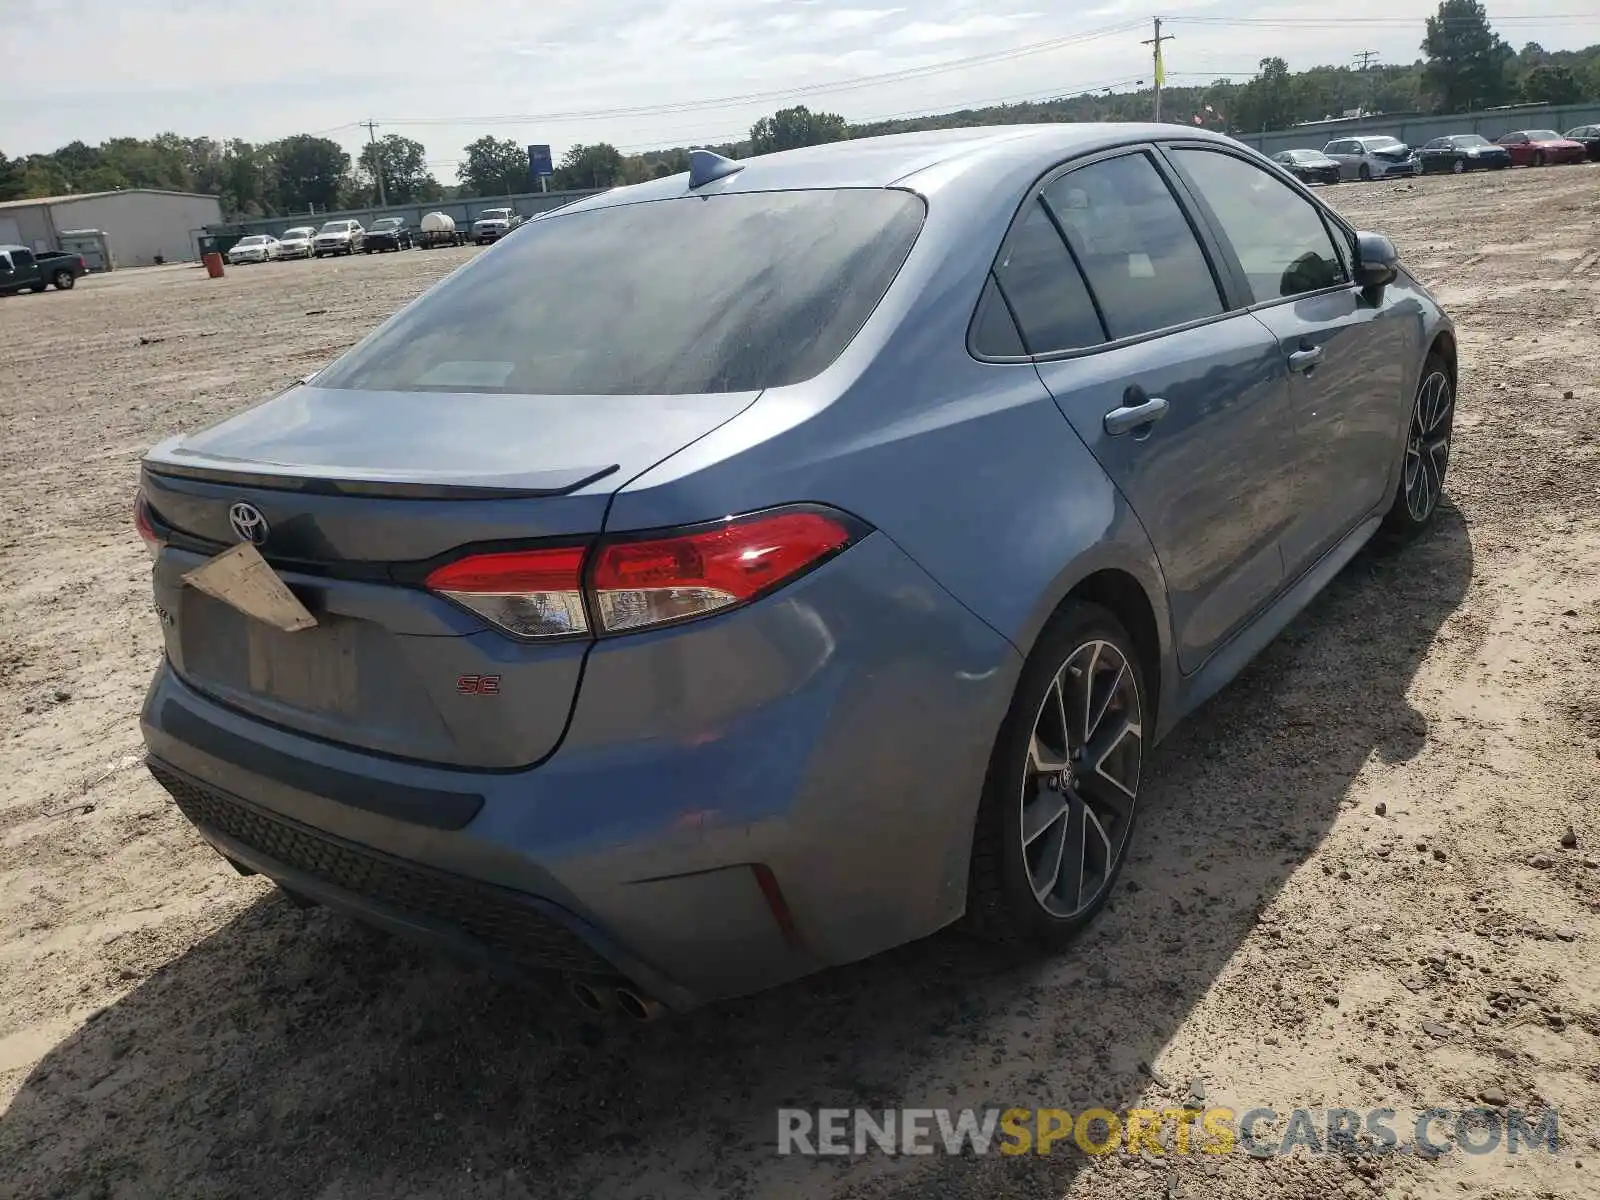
1416 128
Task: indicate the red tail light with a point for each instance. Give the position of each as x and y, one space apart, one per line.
637 583
531 593
141 522
642 583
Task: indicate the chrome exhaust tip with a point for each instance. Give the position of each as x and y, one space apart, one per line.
595 999
641 1008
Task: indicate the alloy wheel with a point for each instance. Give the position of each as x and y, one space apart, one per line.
1460 168
1082 779
1428 445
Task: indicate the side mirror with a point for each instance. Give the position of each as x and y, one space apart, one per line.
1377 262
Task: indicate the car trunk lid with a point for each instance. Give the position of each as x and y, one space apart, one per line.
361 494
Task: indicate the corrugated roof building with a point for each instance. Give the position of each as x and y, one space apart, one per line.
141 225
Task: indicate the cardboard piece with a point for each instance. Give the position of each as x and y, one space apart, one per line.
242 578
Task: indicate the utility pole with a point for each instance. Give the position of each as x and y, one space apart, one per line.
1161 70
1367 59
377 165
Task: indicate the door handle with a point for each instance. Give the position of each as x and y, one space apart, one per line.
1304 360
1130 416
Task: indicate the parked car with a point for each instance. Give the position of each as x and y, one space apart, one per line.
339 237
1542 148
1463 152
299 242
851 599
257 248
1589 136
492 224
1372 157
1309 166
23 270
388 233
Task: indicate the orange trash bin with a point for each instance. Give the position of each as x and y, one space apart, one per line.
213 263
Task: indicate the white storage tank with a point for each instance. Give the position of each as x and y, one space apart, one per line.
439 229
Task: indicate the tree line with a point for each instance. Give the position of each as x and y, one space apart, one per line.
1465 66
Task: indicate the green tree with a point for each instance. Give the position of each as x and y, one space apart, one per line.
1267 101
11 179
493 167
406 178
789 128
1552 84
596 166
305 171
1467 60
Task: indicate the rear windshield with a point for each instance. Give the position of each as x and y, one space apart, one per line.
700 294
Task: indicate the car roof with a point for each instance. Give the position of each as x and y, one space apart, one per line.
935 157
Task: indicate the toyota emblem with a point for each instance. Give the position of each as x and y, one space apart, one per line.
248 523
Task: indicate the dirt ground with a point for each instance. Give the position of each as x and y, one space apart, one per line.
1366 832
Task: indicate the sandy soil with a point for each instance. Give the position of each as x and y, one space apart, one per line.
1364 833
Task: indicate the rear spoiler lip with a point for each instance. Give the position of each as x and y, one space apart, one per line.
271 477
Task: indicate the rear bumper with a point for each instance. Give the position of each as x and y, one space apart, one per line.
737 802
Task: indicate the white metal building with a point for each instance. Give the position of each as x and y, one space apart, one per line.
141 224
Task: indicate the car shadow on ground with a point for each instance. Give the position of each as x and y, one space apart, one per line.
292 1053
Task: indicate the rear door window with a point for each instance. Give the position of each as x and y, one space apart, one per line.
1044 287
723 293
1277 234
1142 259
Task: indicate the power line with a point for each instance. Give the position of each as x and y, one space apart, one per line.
1393 22
864 81
1365 58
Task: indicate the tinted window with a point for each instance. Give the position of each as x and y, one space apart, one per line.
22 258
698 294
1277 234
1039 278
994 333
1142 260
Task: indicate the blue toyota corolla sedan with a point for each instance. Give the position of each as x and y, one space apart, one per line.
751 570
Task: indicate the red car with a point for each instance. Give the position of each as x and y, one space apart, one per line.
1542 147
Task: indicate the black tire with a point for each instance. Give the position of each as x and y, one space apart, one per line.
1460 167
1002 903
1366 173
37 287
1429 431
64 281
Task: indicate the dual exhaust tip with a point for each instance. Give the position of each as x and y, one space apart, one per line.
603 996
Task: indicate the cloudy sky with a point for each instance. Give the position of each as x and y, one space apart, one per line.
635 73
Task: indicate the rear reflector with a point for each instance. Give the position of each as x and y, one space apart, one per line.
641 583
637 583
530 593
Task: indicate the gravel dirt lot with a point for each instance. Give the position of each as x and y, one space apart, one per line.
1364 834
